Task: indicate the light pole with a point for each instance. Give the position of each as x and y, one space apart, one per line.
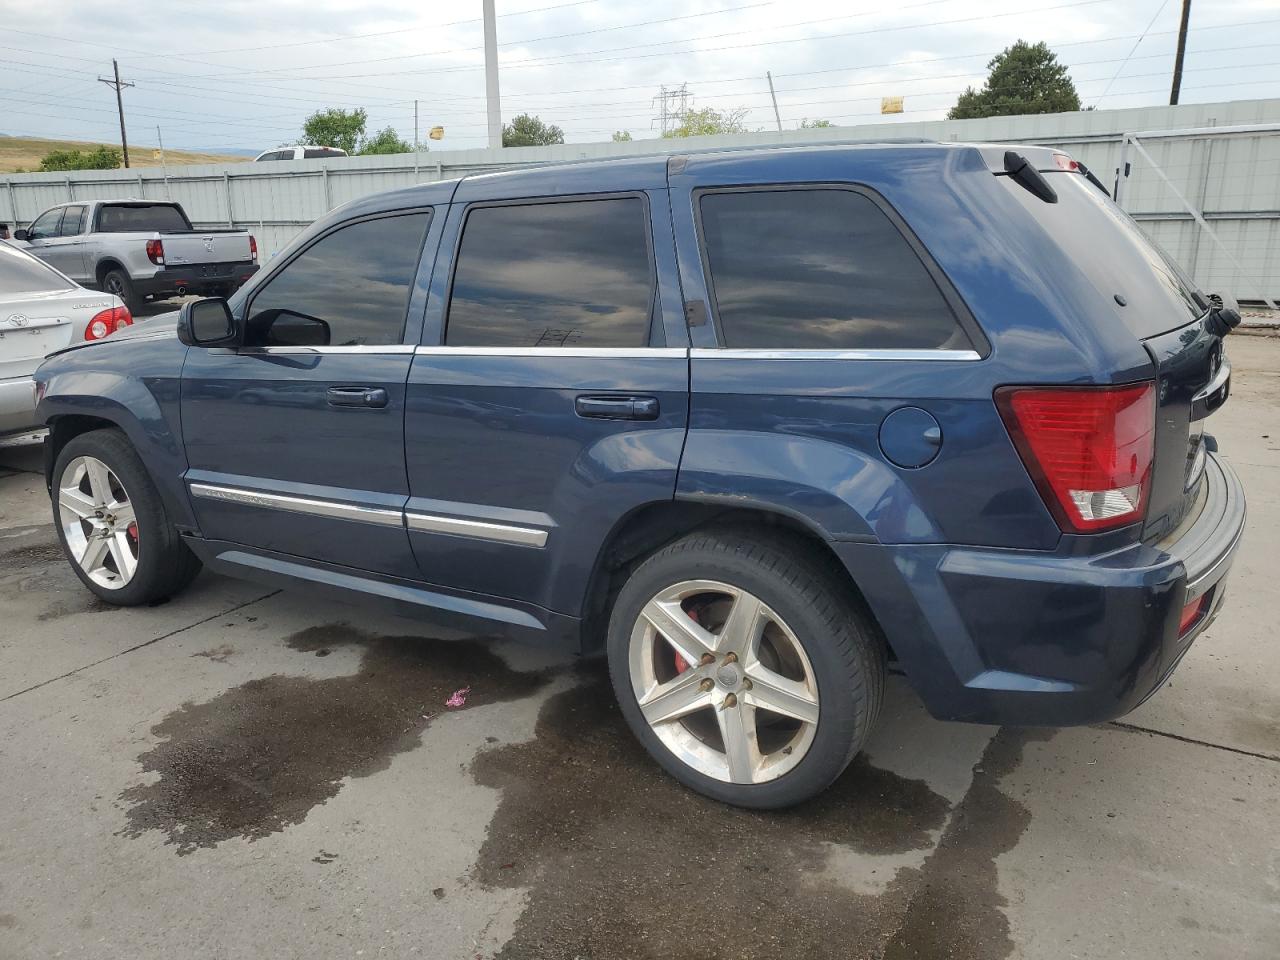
491 75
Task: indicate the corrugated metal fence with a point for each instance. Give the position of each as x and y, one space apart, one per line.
1236 182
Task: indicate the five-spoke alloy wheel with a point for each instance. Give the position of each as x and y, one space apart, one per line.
745 665
98 522
112 522
723 682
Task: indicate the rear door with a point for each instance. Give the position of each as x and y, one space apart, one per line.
549 399
296 441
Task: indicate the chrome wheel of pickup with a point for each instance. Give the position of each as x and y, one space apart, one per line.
723 682
98 522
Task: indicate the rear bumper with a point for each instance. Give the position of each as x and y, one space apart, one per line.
17 405
1025 638
206 278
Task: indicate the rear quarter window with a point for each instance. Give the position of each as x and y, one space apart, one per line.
819 269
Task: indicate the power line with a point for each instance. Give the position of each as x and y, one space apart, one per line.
1137 43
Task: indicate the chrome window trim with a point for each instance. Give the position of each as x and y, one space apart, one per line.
332 509
600 352
739 353
347 348
476 529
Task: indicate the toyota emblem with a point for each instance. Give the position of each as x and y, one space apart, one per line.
18 320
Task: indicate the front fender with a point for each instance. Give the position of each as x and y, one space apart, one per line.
134 386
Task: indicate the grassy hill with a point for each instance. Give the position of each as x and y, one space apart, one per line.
25 153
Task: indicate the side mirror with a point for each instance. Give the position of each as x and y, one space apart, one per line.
207 323
20 235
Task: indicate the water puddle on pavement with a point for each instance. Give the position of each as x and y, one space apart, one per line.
41 568
258 757
621 861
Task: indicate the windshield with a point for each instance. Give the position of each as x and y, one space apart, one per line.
1111 249
23 273
141 217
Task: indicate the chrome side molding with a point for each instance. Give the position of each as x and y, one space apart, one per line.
477 529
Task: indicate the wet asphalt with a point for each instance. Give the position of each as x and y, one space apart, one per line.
243 772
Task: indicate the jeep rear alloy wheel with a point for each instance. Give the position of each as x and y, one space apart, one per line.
98 523
723 682
746 664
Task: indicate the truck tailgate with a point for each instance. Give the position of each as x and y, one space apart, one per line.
181 249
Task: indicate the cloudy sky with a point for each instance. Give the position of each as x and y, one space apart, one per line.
242 74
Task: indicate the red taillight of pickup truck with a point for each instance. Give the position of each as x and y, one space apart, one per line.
253 248
108 322
1088 449
155 251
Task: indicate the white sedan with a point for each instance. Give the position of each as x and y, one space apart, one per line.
42 310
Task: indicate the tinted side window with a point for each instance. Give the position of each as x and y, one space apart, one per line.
350 288
45 226
819 270
320 152
141 217
72 222
575 273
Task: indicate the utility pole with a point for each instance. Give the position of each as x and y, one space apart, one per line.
491 75
774 97
164 167
1182 52
118 84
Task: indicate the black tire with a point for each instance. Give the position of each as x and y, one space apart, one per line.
118 283
165 564
842 642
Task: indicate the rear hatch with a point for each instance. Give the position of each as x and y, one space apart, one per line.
1160 306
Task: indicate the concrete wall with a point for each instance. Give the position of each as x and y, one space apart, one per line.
1237 181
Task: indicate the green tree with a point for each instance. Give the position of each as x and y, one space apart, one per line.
1024 78
385 140
709 120
527 131
622 136
104 158
335 128
815 124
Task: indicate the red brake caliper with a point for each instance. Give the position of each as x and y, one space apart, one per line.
681 663
132 531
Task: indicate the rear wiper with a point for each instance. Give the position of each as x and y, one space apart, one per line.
1025 175
1088 174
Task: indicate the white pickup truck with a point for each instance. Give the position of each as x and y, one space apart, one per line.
139 249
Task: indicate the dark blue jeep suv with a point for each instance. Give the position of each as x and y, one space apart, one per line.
755 423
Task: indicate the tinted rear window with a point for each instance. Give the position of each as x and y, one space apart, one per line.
140 217
819 269
21 273
1109 247
569 274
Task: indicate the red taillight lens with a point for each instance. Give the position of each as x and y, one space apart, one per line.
107 322
1064 162
253 248
1089 449
1191 613
155 251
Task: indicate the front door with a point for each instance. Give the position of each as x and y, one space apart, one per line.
295 441
549 399
66 250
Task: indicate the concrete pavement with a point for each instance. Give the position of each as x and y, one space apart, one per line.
246 773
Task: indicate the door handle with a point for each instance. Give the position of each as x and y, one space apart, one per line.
617 408
365 397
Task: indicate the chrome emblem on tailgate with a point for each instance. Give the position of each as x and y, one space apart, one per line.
18 320
208 244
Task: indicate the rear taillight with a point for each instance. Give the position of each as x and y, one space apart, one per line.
1089 449
1064 162
155 251
253 249
107 322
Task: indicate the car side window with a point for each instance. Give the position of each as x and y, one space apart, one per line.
72 222
350 288
46 225
819 269
555 274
